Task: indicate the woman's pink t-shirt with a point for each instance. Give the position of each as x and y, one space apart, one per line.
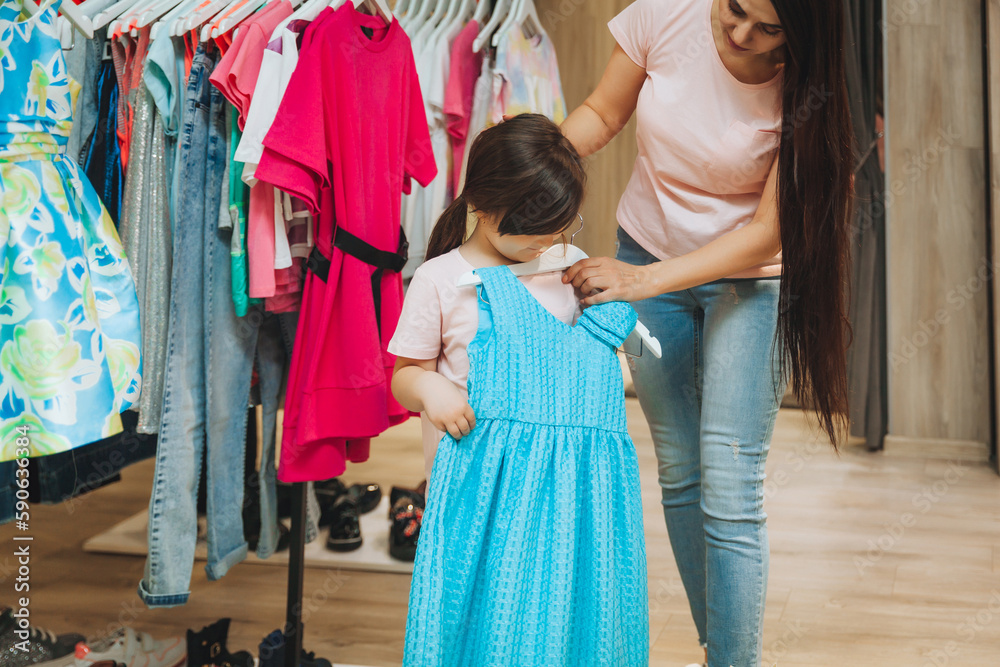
706 141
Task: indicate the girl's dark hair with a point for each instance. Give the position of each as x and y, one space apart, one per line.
815 163
524 169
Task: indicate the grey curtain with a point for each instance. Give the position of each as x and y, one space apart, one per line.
866 361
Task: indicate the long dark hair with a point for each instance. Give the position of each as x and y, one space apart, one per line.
523 169
815 162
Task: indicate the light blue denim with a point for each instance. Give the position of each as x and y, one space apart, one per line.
209 362
275 335
83 64
711 402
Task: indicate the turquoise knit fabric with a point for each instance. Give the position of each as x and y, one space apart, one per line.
532 551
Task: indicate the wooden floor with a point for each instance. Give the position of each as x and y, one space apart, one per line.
874 561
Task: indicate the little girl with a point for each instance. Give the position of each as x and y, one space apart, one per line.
531 551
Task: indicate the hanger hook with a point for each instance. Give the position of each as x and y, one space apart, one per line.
572 236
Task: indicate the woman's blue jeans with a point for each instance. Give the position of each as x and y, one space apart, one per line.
711 402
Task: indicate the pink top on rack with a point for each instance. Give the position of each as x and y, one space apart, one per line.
236 74
706 140
465 69
349 135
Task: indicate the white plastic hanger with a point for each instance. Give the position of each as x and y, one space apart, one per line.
508 22
155 10
206 29
450 7
163 11
128 19
523 15
416 15
178 26
232 16
145 12
105 17
164 21
559 258
528 15
433 21
430 26
91 8
482 9
499 14
203 13
454 20
308 11
71 13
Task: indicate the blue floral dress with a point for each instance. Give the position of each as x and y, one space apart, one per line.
532 551
69 317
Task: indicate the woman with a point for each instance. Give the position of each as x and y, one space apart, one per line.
733 247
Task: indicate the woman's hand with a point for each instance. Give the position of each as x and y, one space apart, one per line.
606 279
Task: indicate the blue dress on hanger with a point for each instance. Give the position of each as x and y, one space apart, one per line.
532 550
69 316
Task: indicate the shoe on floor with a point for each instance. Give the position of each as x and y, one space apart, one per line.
416 496
133 649
272 653
407 514
43 646
368 496
345 524
208 647
309 659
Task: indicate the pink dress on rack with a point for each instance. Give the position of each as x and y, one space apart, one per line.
458 96
349 135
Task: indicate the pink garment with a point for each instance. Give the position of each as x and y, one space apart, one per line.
440 319
236 74
349 135
701 173
465 69
298 222
260 242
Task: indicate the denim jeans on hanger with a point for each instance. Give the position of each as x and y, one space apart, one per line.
83 63
711 402
276 334
209 362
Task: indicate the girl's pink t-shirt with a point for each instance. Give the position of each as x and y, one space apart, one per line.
440 319
706 141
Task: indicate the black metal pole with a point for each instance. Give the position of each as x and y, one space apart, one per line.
296 576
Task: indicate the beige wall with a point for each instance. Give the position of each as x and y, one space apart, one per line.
993 23
936 227
579 30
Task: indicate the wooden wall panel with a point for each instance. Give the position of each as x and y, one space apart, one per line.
993 44
579 31
936 225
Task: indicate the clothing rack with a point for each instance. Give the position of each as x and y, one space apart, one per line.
296 577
